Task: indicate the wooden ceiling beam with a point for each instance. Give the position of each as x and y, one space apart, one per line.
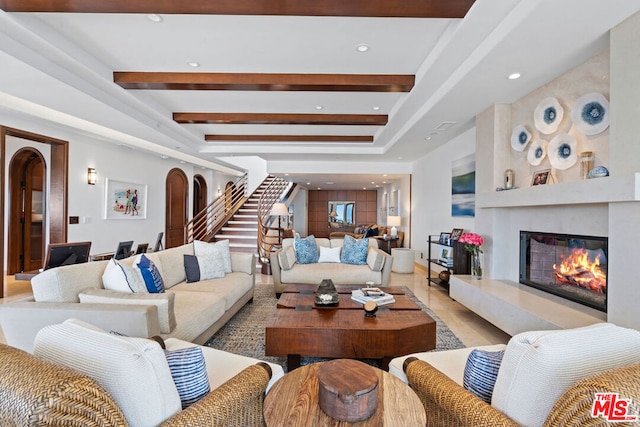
281 119
265 81
290 138
348 8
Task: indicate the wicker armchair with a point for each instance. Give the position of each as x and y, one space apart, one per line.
35 392
449 404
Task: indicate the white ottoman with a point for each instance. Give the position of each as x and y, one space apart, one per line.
403 260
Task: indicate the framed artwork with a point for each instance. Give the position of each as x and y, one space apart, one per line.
463 186
456 233
444 238
445 255
541 177
124 200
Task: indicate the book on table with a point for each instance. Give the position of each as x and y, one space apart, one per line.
379 297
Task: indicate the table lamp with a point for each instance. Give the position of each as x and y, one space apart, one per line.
394 221
279 210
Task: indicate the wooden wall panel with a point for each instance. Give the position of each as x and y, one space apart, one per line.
366 208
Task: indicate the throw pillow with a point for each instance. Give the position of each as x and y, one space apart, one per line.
151 275
481 371
122 278
287 258
164 301
203 267
306 250
375 260
222 247
354 251
329 254
189 373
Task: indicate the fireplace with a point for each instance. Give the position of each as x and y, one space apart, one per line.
571 266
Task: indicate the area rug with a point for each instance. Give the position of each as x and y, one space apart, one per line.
244 333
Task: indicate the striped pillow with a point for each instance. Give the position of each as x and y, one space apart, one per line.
481 371
189 373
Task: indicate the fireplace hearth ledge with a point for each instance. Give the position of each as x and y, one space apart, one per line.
515 308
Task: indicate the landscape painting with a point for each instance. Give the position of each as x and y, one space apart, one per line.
463 186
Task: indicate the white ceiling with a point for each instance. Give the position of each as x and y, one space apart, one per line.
57 67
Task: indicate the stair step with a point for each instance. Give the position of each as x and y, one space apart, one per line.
243 245
252 229
226 236
234 222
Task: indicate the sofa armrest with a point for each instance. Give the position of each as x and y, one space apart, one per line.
447 403
386 268
275 268
243 262
237 402
21 320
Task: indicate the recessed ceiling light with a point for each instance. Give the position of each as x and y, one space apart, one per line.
373 182
193 64
364 188
362 48
318 188
308 183
376 108
329 182
164 156
286 174
514 76
182 162
154 17
384 174
400 157
318 107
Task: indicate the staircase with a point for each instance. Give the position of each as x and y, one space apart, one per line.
242 229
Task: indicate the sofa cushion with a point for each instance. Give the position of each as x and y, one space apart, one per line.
122 278
221 247
287 258
203 267
195 312
539 366
341 274
230 288
172 264
354 251
375 259
189 373
481 371
133 370
306 250
165 303
151 275
329 254
63 284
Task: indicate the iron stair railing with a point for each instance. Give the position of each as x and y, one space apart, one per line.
206 223
270 237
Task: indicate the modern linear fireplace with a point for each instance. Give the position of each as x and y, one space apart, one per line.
571 266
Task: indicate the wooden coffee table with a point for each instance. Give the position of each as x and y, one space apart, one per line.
300 328
293 401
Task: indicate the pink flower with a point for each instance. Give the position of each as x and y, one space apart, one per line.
472 242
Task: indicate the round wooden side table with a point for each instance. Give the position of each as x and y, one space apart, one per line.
293 401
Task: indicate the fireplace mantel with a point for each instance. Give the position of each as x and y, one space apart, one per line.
592 191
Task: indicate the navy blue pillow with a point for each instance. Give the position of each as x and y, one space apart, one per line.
151 275
481 371
306 250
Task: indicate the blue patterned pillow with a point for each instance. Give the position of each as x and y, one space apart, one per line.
481 371
151 275
306 250
189 373
354 251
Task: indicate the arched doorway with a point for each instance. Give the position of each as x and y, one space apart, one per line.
27 217
199 194
177 195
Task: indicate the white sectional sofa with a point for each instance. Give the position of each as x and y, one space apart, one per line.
376 270
187 311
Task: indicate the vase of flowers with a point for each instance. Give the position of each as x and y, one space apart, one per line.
472 243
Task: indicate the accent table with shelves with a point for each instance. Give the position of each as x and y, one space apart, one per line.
461 260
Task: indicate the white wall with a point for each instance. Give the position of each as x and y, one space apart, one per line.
431 198
403 208
255 167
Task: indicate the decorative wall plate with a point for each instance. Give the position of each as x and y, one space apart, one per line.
537 152
520 137
548 115
562 151
591 114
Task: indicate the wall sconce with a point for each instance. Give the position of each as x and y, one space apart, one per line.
219 192
91 176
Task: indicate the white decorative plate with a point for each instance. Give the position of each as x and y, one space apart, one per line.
520 137
562 151
591 114
548 115
537 152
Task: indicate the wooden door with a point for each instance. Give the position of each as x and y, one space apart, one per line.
177 195
199 194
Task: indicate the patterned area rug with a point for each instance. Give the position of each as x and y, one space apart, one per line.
244 333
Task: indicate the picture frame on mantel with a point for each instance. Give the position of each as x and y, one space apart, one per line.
125 200
541 177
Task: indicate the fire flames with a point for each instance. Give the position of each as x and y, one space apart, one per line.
577 269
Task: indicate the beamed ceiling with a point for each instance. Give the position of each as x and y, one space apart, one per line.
286 80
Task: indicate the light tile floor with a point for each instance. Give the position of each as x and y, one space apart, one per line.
469 327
